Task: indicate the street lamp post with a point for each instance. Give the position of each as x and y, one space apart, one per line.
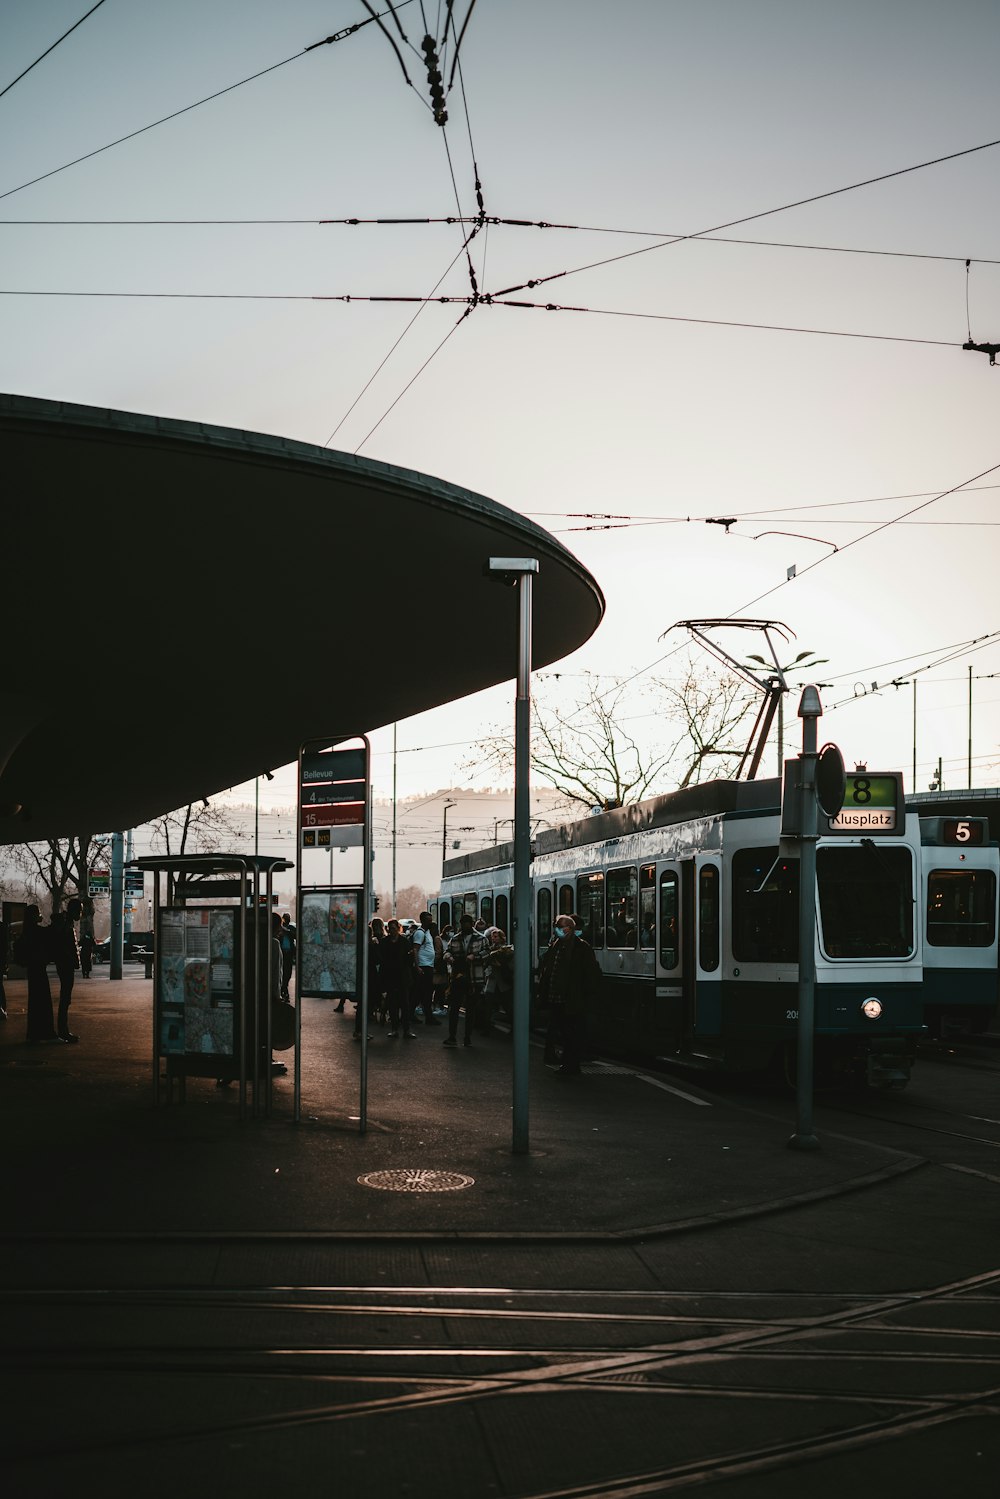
519 572
444 833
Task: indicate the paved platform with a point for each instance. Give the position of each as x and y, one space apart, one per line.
660 1295
616 1152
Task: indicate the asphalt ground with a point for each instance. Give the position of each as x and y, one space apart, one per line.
659 1294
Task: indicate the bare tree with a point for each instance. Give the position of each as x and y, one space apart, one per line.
198 828
57 868
589 752
711 709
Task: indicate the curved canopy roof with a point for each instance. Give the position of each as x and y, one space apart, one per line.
184 605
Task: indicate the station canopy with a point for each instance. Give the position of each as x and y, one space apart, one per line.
184 605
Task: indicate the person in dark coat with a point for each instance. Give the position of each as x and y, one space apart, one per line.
3 968
376 936
31 950
66 956
569 981
396 968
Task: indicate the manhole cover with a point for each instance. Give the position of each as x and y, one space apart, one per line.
416 1181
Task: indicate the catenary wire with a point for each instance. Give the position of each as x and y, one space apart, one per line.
392 351
470 303
496 221
88 155
55 44
753 217
763 514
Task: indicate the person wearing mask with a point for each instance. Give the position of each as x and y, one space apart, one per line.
569 981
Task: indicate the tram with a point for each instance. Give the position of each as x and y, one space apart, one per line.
690 902
960 887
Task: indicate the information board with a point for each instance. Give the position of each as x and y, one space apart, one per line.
196 981
329 944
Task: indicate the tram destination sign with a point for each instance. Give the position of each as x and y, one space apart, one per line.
873 805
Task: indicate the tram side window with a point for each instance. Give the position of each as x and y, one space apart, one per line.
486 909
669 919
444 910
543 918
567 904
765 907
503 914
647 906
866 901
468 905
961 907
708 917
623 901
590 907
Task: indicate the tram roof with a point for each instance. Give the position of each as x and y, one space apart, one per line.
710 799
269 592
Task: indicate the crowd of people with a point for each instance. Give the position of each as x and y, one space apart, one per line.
464 976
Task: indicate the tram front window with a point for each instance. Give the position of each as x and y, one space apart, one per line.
866 901
960 907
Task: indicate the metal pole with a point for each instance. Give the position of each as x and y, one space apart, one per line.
810 710
367 892
522 865
970 728
394 819
117 901
127 925
913 783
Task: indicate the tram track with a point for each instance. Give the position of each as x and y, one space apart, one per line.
711 1385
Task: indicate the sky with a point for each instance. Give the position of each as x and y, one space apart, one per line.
820 396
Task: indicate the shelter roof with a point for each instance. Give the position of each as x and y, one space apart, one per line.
183 605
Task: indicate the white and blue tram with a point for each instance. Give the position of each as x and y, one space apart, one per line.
960 878
692 910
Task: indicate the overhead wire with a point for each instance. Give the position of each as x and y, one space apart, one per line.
753 217
336 36
492 220
473 301
477 225
55 44
372 378
762 514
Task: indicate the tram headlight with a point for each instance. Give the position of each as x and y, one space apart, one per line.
871 1009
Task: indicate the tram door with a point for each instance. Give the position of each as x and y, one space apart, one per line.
675 967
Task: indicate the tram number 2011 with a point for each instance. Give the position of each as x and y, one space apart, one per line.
791 1014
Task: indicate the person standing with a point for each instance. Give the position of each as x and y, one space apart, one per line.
3 967
465 960
66 956
397 980
569 981
376 937
31 950
87 943
426 949
286 937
